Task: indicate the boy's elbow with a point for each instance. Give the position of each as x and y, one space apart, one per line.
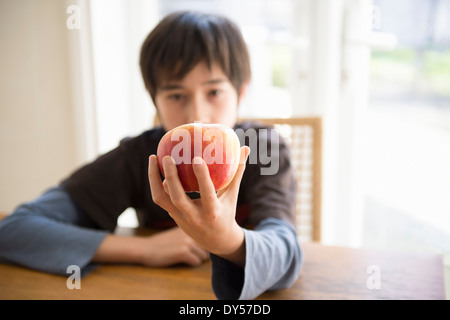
12 224
11 220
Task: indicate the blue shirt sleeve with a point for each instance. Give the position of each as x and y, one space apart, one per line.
49 234
273 261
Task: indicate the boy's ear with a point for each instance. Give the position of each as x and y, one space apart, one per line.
243 91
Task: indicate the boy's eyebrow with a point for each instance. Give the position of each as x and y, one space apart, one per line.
214 81
174 86
171 87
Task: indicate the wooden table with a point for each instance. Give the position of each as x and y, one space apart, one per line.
327 273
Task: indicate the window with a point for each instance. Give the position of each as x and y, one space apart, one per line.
407 154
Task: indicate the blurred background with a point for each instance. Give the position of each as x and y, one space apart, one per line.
377 72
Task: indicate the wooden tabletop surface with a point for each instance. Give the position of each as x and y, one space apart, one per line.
327 273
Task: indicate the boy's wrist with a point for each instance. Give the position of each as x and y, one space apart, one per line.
236 252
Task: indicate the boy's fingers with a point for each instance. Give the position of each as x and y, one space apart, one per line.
236 182
199 252
206 186
156 186
192 259
177 194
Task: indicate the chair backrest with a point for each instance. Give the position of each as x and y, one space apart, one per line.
304 137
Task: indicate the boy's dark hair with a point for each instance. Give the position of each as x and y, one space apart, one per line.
183 39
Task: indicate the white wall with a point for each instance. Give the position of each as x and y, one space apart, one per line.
37 140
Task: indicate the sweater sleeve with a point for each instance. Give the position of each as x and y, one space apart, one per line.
273 261
49 234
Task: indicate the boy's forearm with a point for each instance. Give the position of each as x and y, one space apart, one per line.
120 249
132 249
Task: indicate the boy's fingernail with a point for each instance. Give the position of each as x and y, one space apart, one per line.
198 160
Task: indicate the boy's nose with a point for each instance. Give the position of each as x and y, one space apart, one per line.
198 111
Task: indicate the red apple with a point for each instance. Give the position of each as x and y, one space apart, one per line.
217 144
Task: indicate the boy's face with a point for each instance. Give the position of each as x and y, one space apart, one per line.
202 95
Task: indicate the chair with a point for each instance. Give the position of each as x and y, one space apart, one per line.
304 137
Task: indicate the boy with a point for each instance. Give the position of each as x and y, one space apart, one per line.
195 68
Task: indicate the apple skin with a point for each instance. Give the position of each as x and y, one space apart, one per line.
217 144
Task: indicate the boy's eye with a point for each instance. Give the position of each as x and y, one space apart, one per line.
176 97
215 92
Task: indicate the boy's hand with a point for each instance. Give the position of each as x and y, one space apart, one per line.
171 247
210 220
159 250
